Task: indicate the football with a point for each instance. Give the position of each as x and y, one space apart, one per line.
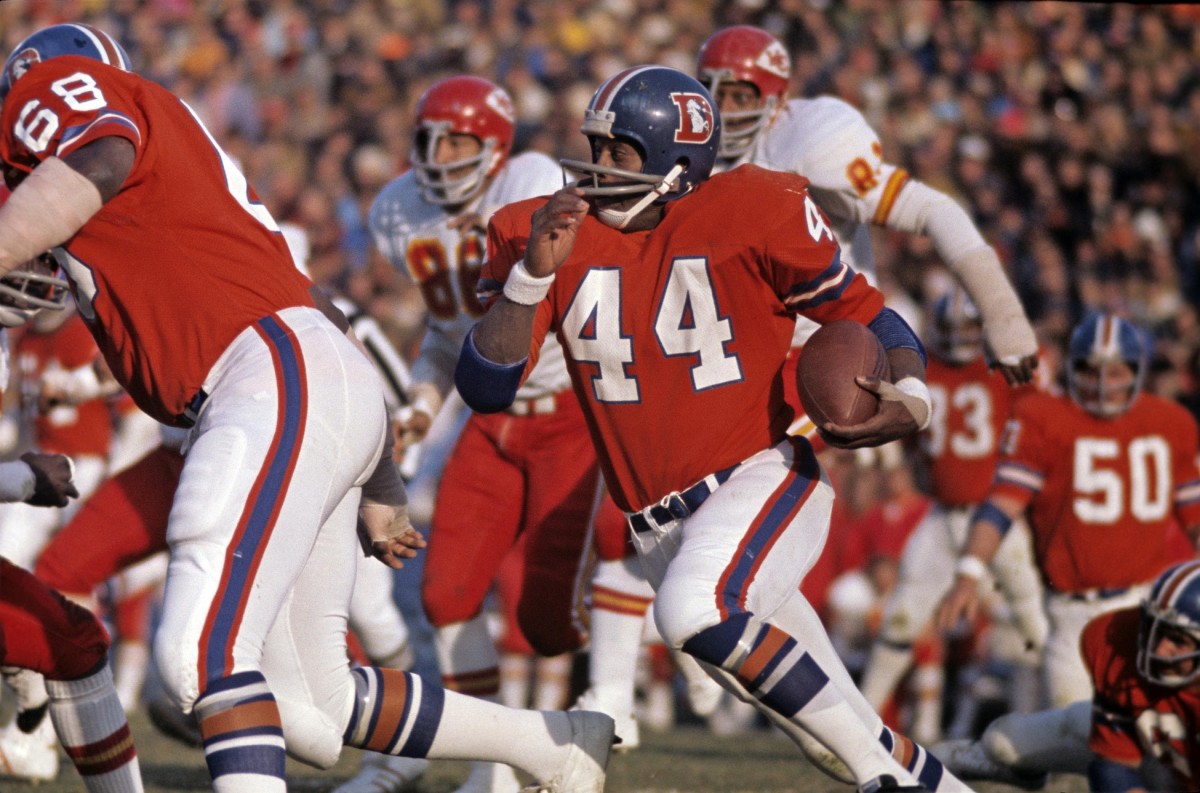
830 360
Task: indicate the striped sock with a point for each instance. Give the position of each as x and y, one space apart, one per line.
924 766
394 712
243 737
91 725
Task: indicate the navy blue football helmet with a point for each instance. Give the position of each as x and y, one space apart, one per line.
1172 611
66 39
1101 339
669 116
957 333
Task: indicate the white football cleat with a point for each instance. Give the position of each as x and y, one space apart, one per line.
626 723
587 760
32 756
967 760
384 773
490 778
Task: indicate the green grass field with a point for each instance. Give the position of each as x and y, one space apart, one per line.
684 760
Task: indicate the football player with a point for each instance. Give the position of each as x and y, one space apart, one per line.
675 337
204 319
828 141
530 469
1105 476
41 632
1138 731
970 408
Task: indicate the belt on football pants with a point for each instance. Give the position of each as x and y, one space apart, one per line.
539 406
678 505
192 412
1090 595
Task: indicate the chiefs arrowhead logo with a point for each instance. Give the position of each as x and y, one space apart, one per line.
498 100
695 117
774 60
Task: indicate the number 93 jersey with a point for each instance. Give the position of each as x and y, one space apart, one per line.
183 258
675 337
444 262
1103 494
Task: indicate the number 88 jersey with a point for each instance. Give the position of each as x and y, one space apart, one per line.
183 258
416 237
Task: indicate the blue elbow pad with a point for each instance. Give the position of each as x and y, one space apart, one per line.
1105 776
486 386
891 329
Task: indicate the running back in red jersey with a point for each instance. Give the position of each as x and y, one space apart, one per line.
831 359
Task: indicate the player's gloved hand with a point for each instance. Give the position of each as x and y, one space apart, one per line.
961 602
385 532
904 408
53 476
1017 370
409 427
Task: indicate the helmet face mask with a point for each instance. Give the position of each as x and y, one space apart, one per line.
744 56
669 118
447 113
1169 634
1107 359
957 329
57 40
29 289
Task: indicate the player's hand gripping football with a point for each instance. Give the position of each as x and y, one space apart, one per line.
553 229
899 414
53 476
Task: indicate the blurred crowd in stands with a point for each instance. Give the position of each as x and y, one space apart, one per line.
1071 131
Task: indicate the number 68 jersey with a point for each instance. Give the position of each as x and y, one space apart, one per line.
1102 494
183 258
414 235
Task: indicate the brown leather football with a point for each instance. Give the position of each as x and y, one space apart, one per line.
832 357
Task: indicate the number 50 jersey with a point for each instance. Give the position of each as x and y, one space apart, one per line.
183 258
1102 494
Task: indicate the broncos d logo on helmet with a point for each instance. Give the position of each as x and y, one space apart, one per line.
695 117
20 62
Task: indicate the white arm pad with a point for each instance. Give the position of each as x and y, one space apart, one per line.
1007 329
923 210
16 481
80 385
45 210
424 399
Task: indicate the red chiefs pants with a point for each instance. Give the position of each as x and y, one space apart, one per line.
43 631
510 474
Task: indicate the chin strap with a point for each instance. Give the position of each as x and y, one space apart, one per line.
618 219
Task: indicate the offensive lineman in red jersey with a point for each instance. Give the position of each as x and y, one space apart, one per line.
1106 475
674 297
197 306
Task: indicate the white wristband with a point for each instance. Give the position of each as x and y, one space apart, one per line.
971 567
525 288
17 481
918 390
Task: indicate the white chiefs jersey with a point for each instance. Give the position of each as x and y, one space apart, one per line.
416 238
828 141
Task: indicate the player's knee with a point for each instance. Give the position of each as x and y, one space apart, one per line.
177 667
446 603
86 648
719 644
548 636
680 613
312 735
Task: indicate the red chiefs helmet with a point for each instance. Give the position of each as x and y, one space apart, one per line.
744 53
461 105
